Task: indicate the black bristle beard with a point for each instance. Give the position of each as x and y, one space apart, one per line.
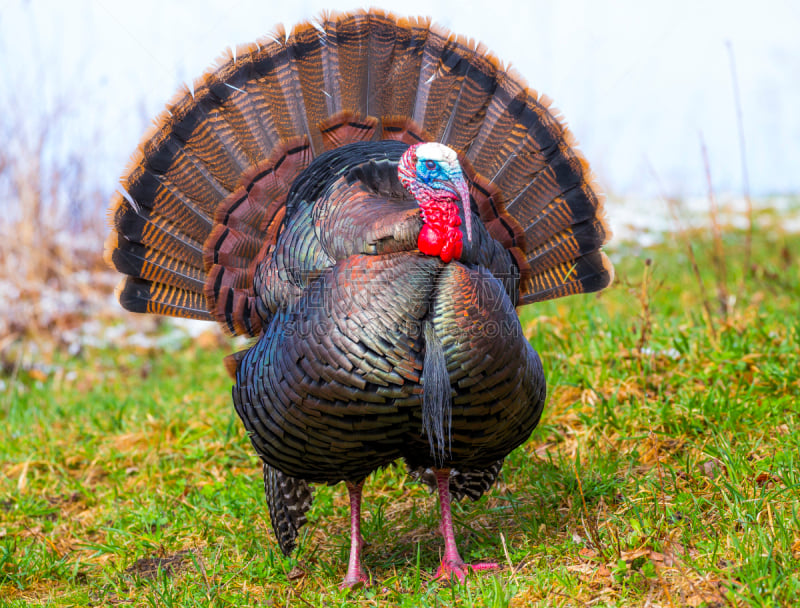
436 397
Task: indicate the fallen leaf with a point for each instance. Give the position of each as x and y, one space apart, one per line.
296 573
713 468
629 556
37 374
764 477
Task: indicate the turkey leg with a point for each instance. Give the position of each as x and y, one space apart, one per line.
452 564
355 573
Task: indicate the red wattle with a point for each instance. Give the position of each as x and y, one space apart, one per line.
447 253
458 247
429 241
439 236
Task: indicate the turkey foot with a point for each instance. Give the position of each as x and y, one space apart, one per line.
452 564
450 568
355 572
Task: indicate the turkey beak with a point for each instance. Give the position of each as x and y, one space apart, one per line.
463 193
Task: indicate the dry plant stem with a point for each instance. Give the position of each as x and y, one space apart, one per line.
706 304
748 248
298 595
508 558
589 525
661 500
718 255
665 588
674 210
644 300
198 563
695 270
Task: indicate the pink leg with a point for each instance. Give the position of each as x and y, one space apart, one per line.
452 564
355 573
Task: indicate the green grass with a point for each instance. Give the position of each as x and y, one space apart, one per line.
664 472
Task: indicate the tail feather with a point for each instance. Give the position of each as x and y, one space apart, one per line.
498 125
348 35
232 301
368 46
239 87
329 59
254 206
236 106
278 96
166 235
429 71
346 128
230 248
573 207
487 202
139 295
358 32
199 144
247 224
190 207
476 70
380 55
402 76
454 86
288 76
137 260
560 175
590 272
315 78
522 156
569 244
186 178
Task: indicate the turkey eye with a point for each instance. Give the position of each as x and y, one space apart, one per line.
430 164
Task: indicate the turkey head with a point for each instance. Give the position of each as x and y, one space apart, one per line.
432 174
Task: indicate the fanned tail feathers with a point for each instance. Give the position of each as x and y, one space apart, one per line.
204 198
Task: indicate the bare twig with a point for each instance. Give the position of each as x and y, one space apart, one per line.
661 499
588 524
201 568
718 254
644 300
508 558
743 154
672 205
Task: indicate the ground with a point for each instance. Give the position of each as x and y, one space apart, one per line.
664 472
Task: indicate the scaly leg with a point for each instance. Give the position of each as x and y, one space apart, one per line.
355 573
452 564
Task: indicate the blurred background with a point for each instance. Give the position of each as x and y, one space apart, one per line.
676 105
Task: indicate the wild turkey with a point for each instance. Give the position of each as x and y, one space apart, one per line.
370 198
